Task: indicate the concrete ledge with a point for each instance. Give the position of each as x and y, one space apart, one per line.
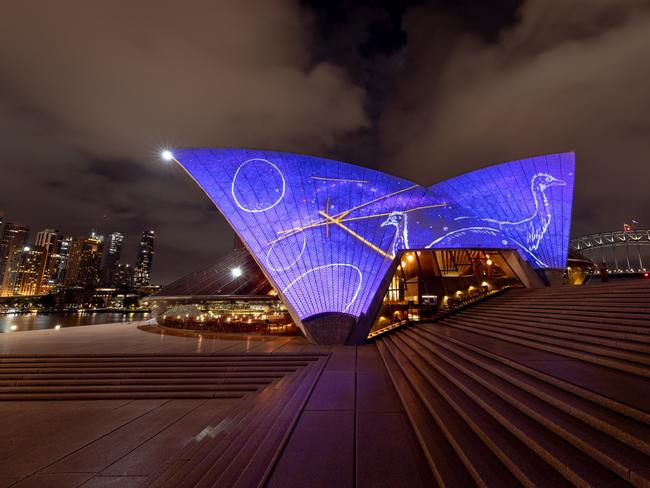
330 328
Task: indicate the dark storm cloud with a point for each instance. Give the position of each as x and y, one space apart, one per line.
118 171
90 91
569 75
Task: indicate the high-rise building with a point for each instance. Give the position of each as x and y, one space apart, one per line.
145 259
24 271
50 241
112 257
84 262
64 253
12 237
122 276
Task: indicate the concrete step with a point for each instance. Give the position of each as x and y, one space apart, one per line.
636 306
469 442
575 341
607 387
632 316
447 467
577 292
145 369
150 364
610 421
140 375
580 293
536 455
585 352
120 395
612 287
244 454
245 464
247 357
635 329
638 300
616 455
572 332
225 426
566 307
131 381
8 390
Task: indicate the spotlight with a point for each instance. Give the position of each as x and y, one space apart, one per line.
57 326
167 155
488 262
236 272
14 327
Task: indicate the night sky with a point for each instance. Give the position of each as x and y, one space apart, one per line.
90 91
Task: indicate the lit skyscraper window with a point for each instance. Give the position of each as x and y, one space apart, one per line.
144 260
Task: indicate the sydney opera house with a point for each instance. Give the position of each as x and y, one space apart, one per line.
346 251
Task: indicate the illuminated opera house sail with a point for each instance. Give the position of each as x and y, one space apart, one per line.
329 235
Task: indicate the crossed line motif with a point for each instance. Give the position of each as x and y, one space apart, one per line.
339 219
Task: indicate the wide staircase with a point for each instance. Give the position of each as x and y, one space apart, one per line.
545 387
143 376
261 395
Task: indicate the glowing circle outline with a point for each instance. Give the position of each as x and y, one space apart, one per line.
356 293
234 178
304 245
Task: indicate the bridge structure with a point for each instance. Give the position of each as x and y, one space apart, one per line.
624 252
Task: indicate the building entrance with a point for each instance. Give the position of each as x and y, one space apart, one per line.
429 281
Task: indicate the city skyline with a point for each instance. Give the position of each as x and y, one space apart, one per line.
50 263
33 234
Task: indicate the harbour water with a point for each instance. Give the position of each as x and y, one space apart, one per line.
34 321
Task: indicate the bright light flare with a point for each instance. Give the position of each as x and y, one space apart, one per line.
236 272
14 327
166 155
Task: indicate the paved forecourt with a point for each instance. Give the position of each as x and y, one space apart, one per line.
114 405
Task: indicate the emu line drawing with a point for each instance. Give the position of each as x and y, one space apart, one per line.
526 233
401 240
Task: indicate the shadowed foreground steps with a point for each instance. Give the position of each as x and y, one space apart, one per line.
543 387
532 387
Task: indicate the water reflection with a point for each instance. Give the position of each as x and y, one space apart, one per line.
33 321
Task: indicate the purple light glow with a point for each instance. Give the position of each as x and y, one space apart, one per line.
325 232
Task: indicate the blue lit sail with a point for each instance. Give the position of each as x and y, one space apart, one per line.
326 232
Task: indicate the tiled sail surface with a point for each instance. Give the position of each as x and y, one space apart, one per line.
326 232
523 205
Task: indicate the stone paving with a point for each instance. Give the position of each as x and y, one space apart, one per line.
351 431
